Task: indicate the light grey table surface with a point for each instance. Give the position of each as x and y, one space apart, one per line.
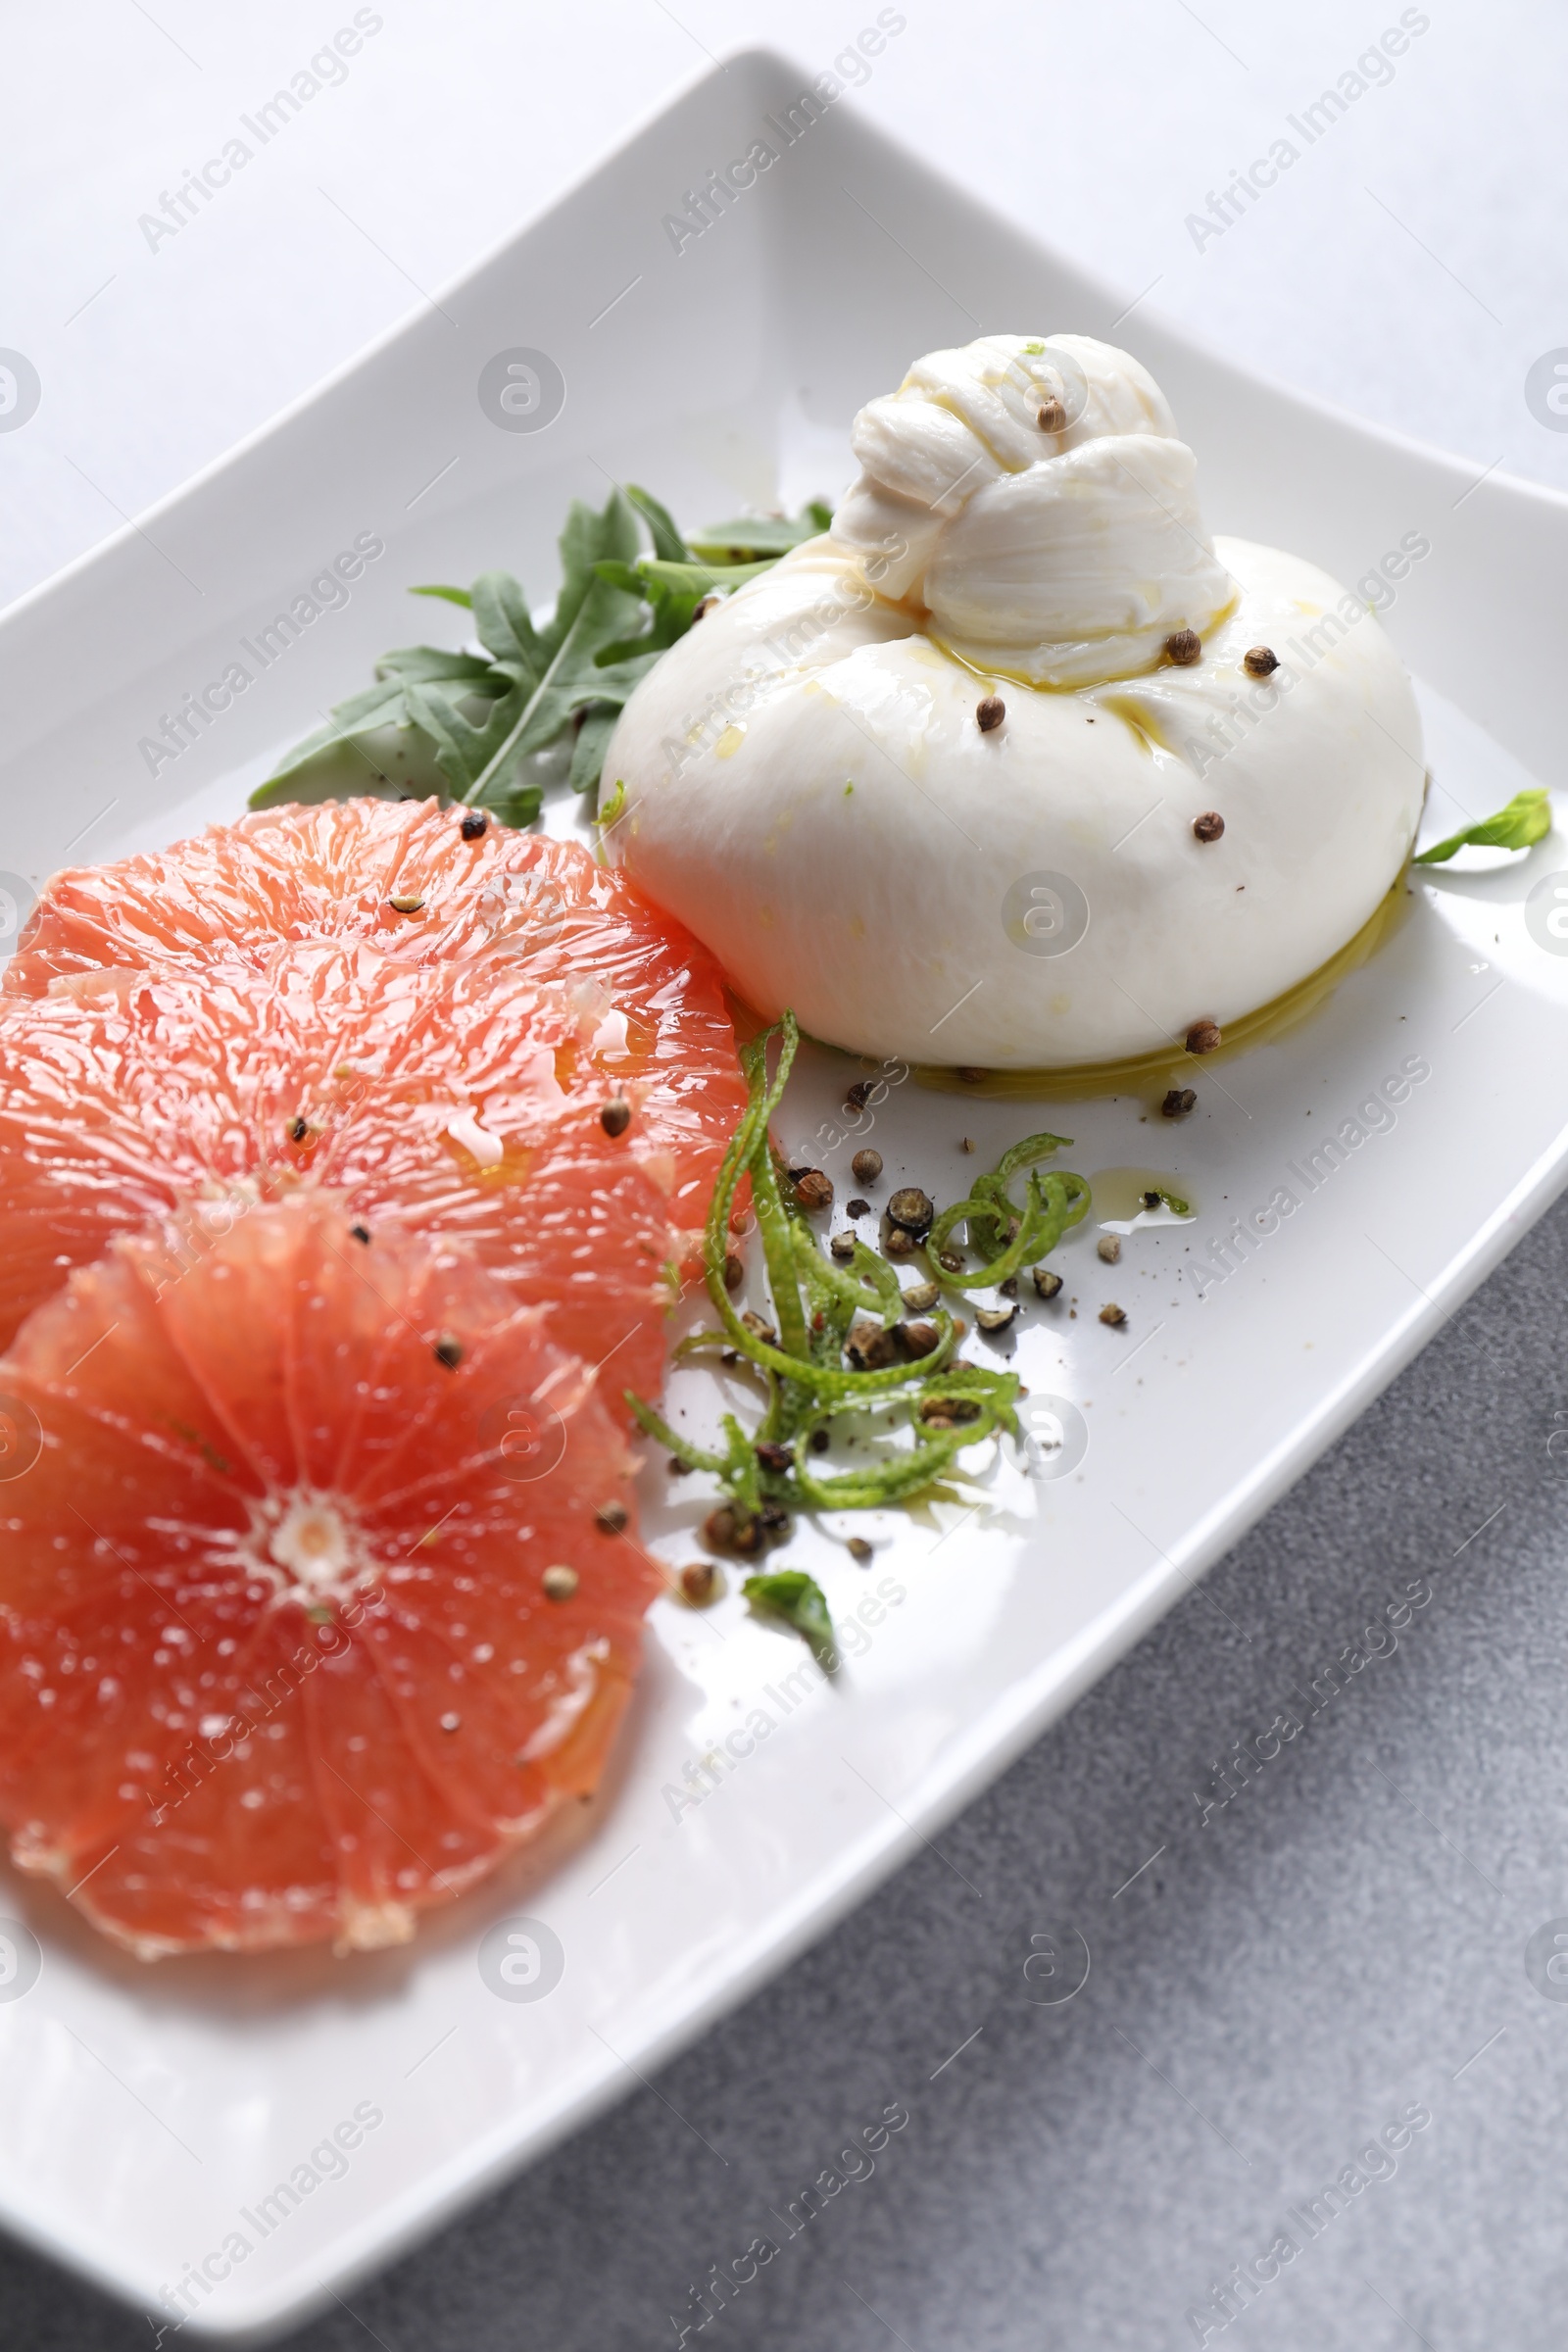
1345 1940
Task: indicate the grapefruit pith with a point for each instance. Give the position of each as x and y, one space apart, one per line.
288 1642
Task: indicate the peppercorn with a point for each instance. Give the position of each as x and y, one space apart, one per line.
911 1209
700 1583
727 1529
870 1346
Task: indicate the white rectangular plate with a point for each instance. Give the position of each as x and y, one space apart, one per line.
150 2111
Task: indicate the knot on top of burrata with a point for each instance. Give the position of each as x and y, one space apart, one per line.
1031 496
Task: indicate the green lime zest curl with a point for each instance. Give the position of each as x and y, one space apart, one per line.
1054 1204
816 1302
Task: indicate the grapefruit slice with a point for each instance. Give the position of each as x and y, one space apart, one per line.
280 1654
460 1098
647 1001
330 871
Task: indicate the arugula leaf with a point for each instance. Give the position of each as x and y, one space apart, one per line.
593 741
587 539
667 541
672 610
1527 817
505 626
408 729
378 706
536 714
769 535
698 580
357 744
396 763
790 1593
673 591
466 753
435 663
463 724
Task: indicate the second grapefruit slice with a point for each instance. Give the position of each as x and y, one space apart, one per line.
311 1600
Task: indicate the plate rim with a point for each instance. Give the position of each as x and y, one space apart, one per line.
1056 1684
